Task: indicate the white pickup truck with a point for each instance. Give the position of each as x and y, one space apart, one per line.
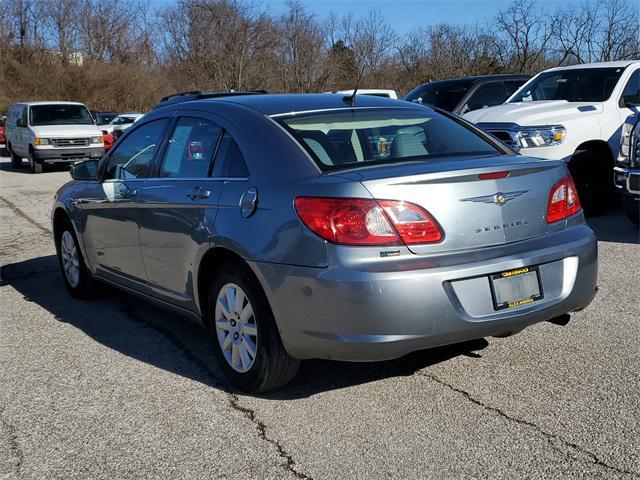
573 114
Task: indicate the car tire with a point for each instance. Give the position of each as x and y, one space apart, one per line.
76 275
592 175
34 166
631 207
239 321
16 161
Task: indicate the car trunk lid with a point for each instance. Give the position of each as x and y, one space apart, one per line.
473 208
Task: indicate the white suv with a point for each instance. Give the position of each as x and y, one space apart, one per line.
573 114
51 132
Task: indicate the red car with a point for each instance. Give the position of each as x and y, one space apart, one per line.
109 140
2 139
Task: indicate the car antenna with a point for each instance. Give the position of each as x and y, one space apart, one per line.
355 90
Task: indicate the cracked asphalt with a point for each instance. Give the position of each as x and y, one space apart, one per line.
115 388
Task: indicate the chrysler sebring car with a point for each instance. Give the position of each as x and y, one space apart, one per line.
325 226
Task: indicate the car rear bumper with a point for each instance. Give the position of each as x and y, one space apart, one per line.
55 155
368 313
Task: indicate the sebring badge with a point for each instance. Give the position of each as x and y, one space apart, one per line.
499 198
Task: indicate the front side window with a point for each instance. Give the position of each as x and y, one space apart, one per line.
348 138
578 85
190 148
631 93
132 157
60 115
487 95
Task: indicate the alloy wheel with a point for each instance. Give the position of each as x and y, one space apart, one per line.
236 327
70 259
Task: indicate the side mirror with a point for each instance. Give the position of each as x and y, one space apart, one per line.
20 123
85 170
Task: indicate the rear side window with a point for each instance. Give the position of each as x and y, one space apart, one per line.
132 157
229 160
190 148
348 138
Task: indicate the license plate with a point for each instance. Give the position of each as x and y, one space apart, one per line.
514 288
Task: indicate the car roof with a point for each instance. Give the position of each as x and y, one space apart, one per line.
480 78
275 104
49 102
619 64
363 91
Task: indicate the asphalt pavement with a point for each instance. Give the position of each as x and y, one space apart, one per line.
116 388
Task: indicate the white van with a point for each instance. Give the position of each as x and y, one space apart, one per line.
51 132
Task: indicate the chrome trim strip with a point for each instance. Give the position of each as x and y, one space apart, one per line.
335 109
499 198
176 179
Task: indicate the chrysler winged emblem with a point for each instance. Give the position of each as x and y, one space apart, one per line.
499 198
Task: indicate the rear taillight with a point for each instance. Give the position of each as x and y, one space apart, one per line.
563 200
361 221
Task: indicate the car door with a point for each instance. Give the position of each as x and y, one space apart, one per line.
180 207
111 208
22 133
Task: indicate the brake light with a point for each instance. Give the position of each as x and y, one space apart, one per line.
493 175
563 200
361 221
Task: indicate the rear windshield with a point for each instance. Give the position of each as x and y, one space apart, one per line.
579 85
348 138
444 95
60 115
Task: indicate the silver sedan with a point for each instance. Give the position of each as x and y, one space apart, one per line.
325 226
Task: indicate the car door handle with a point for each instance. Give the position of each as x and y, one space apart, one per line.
198 193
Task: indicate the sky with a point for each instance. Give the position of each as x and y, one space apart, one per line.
406 15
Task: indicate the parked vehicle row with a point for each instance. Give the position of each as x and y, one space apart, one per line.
574 114
302 226
60 132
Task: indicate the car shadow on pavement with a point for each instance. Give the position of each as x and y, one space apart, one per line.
24 168
165 340
614 226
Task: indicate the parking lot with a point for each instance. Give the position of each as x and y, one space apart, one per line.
117 388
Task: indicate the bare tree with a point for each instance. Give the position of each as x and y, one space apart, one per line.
521 35
300 52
